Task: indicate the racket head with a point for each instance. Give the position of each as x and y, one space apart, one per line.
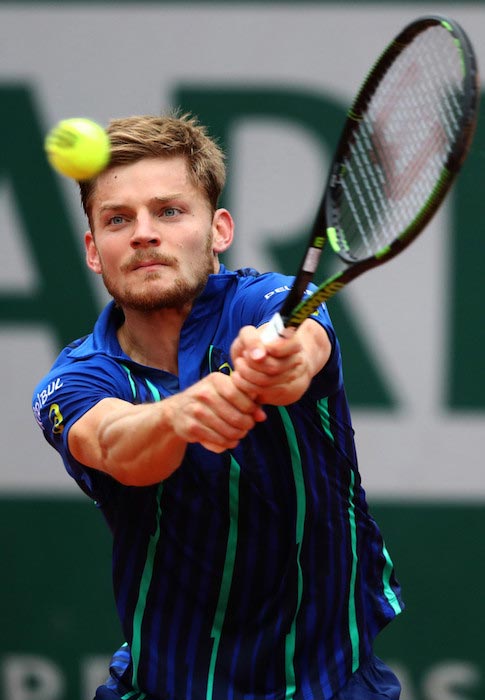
406 136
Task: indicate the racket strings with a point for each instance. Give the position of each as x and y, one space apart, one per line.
400 148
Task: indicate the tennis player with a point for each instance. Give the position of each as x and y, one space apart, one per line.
245 561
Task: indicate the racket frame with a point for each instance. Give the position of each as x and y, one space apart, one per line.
296 308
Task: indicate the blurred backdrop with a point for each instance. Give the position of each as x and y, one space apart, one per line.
273 82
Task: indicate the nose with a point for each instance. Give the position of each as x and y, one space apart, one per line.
144 231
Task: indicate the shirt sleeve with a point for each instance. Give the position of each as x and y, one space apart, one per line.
65 395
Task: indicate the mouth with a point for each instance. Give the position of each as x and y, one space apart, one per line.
156 263
148 265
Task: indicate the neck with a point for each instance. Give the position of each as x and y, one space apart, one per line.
152 339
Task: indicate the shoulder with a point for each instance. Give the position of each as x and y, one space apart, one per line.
258 296
263 287
77 385
96 356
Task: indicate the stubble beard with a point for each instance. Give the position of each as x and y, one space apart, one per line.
146 297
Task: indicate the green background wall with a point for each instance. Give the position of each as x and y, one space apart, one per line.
57 606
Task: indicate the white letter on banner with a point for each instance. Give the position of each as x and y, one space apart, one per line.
450 681
29 677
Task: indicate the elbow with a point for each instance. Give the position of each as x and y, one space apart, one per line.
138 471
130 475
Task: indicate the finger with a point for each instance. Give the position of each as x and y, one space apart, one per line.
212 447
218 443
248 380
214 388
259 415
248 343
209 427
264 373
284 347
242 395
223 407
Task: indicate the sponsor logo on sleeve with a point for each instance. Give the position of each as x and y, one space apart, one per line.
56 419
43 397
278 290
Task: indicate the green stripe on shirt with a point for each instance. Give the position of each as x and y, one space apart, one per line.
227 574
147 570
290 641
145 582
322 406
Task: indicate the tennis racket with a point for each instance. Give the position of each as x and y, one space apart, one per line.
404 141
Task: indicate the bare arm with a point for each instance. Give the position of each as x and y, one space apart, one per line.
280 372
143 444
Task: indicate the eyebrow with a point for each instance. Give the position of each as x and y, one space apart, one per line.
166 199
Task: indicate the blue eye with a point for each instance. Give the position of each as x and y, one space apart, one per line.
170 212
115 220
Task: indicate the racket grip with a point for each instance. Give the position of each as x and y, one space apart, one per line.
274 329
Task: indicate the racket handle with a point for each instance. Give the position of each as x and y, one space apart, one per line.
274 329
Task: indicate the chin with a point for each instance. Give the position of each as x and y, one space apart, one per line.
174 297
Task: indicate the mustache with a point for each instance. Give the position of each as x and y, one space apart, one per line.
139 258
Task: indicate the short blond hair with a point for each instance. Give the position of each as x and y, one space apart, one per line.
148 136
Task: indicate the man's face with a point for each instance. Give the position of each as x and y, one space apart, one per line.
153 235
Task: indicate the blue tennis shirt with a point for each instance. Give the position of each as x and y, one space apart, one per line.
257 573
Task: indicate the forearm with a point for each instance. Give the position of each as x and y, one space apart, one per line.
316 345
138 444
143 444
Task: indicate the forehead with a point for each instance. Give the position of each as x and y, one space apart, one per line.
145 179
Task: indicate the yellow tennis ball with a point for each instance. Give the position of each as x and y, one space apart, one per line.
78 148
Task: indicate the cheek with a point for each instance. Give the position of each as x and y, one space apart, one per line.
197 247
105 262
110 251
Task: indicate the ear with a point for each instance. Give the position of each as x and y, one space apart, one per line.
92 255
222 230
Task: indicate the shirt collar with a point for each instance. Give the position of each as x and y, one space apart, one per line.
104 337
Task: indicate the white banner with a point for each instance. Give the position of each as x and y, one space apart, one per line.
106 61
